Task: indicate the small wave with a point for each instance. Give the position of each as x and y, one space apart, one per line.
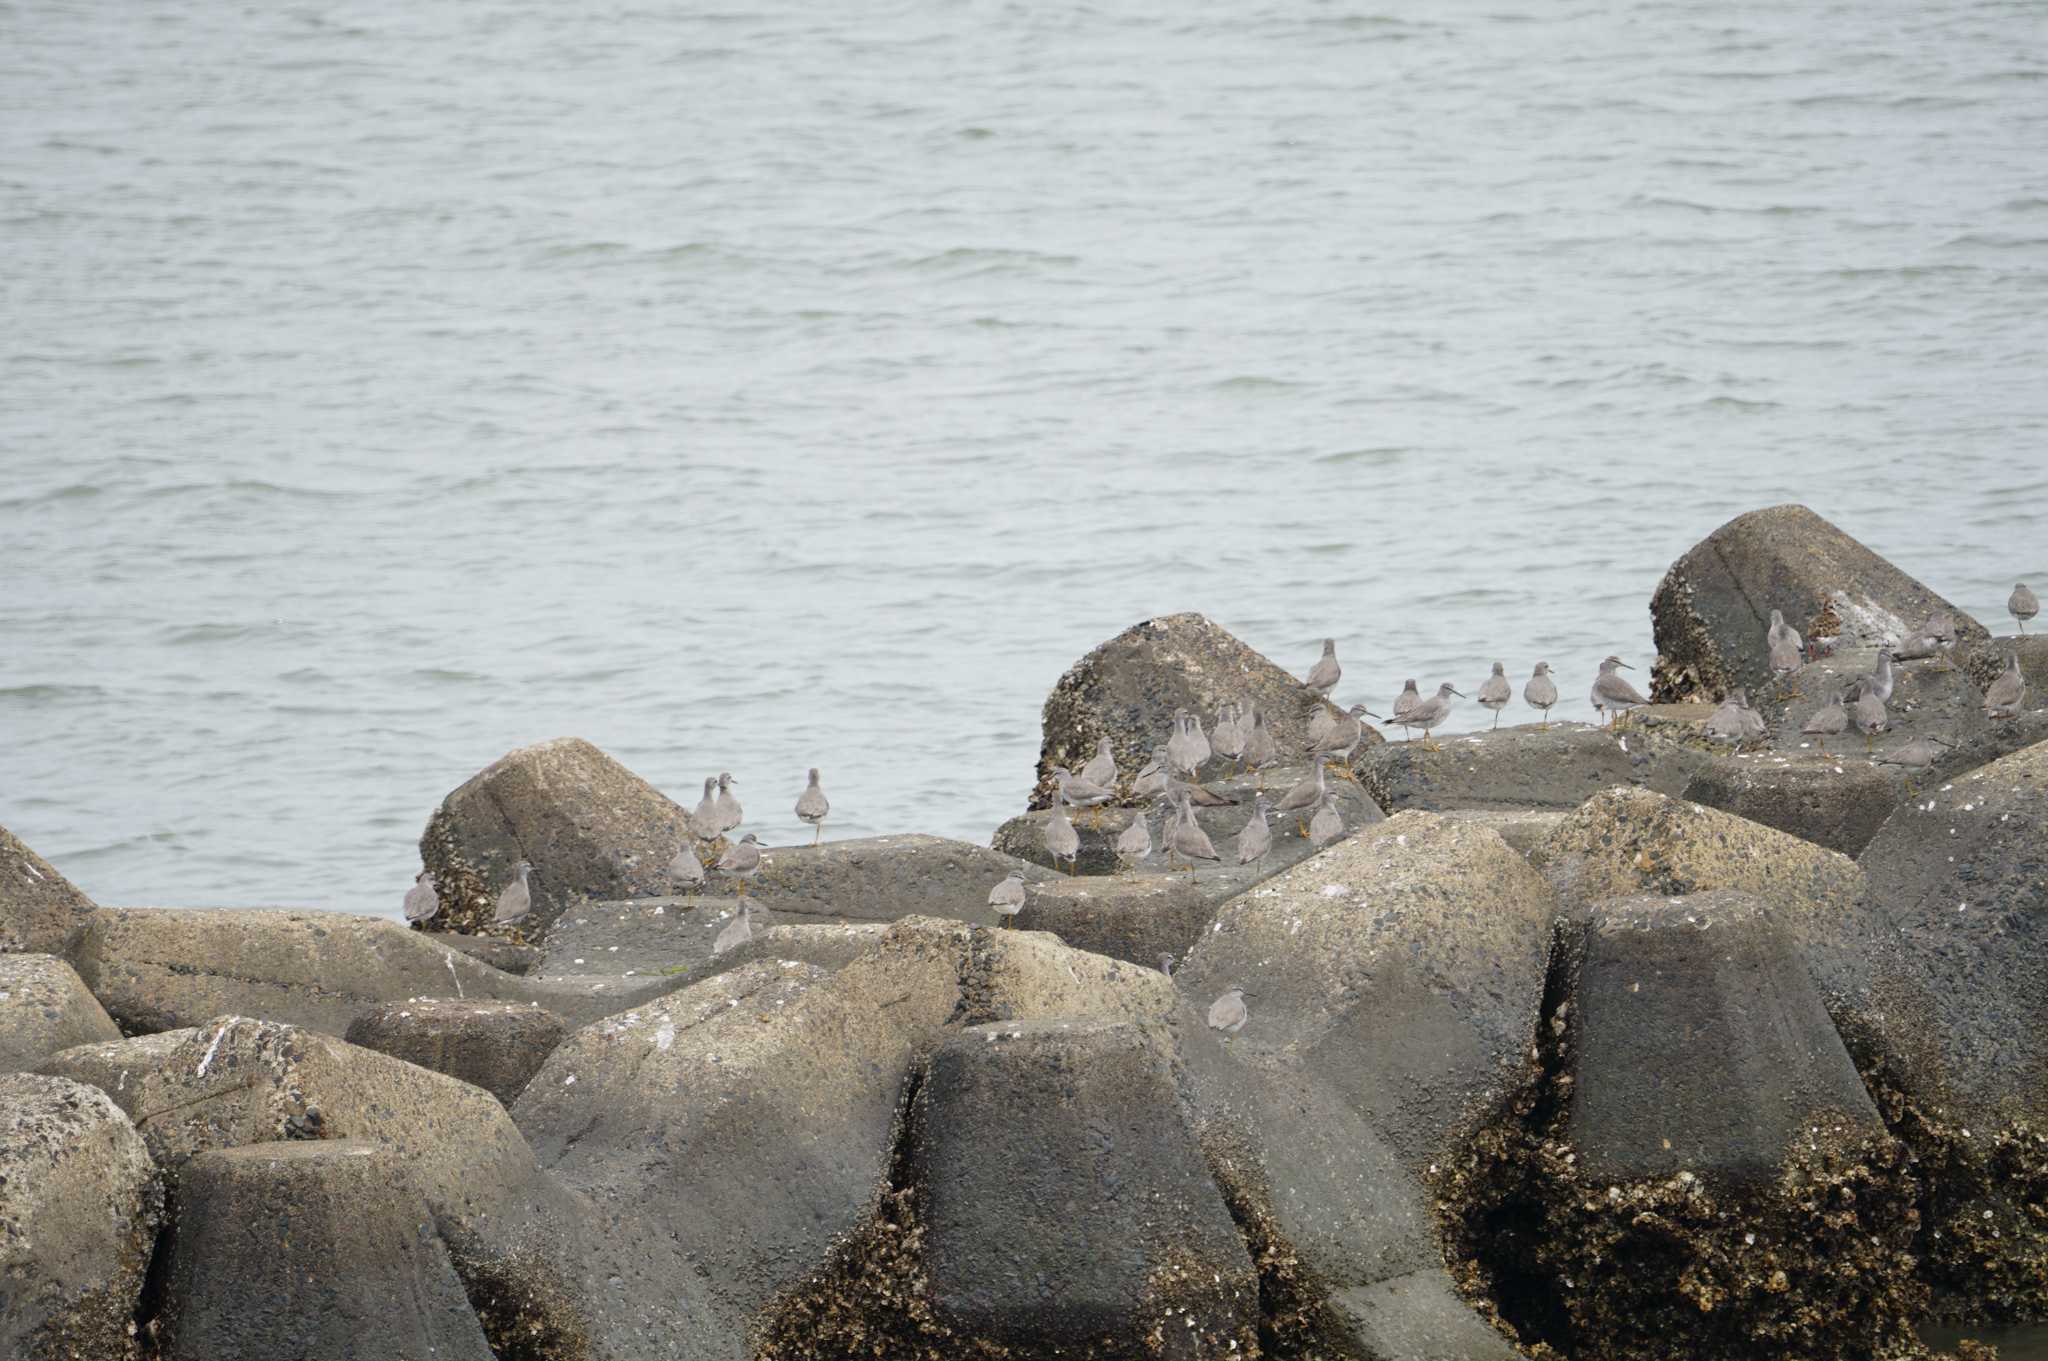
1254 382
49 694
1376 458
76 491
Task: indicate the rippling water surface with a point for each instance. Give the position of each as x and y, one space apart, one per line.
383 386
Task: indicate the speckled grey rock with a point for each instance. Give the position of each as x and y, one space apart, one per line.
1837 803
1020 835
1517 767
1712 608
1962 875
1698 1043
1062 1201
672 937
41 912
317 1250
504 955
590 827
1419 1317
1402 967
79 1207
1128 688
164 968
497 1046
1134 917
881 879
44 1007
795 1081
1522 828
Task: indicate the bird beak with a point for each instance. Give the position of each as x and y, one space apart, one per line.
1626 666
1459 693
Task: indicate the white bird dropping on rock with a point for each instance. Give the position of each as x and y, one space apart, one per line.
1495 692
1323 676
1541 693
2023 604
1007 898
421 902
812 807
1228 1012
729 811
515 900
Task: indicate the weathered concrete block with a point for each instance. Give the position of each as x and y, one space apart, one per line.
317 1250
1062 1201
79 1207
579 817
673 937
1711 610
1128 688
1135 917
1419 1317
497 1046
1521 767
44 1007
882 879
165 968
1699 1043
504 955
1837 803
41 912
1403 967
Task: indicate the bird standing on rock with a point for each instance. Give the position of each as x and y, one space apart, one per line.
1880 681
1190 840
742 861
1782 632
1612 694
1830 720
1495 692
1306 794
1328 824
1256 838
1062 842
1260 749
1406 700
1230 733
1726 723
1007 898
1867 713
1080 793
1101 767
1345 733
812 806
1153 777
2008 692
1134 843
515 900
1429 713
704 817
1785 660
1180 748
1323 676
685 868
2023 604
1541 693
737 932
729 812
421 902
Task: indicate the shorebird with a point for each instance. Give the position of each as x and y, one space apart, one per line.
1830 720
1918 754
1256 838
1495 692
1867 713
1134 843
1260 750
421 902
1322 677
1782 632
742 861
1007 898
1541 693
1917 648
1180 748
1429 713
1753 724
1726 723
515 900
1880 681
1320 721
729 812
1101 767
1199 795
1305 794
737 932
1328 824
1190 840
1785 660
2023 604
1406 700
1198 742
812 806
1231 731
1228 1012
1080 793
703 819
1612 694
685 868
1166 964
2008 692
1062 842
1153 777
1346 732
